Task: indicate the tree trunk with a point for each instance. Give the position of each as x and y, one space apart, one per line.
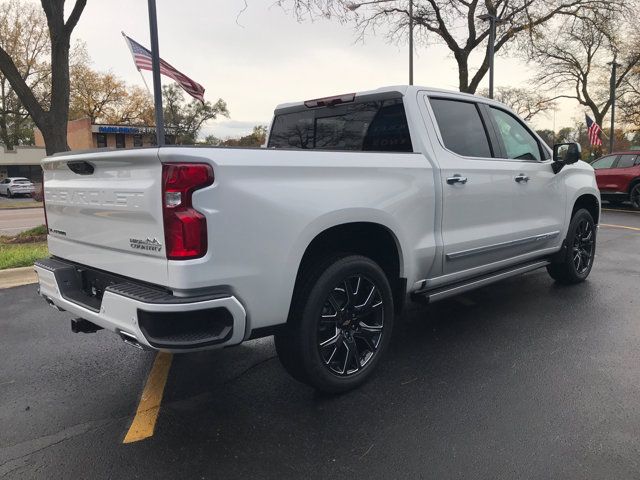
479 75
4 132
55 138
463 71
58 115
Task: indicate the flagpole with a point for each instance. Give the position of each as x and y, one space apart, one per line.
157 87
124 35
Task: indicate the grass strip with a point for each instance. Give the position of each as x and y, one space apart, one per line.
22 254
9 205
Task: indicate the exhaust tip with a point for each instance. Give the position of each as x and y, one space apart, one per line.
53 305
131 339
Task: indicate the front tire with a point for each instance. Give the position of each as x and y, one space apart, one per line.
634 196
580 248
340 324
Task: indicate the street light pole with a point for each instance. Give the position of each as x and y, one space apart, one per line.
492 46
612 133
354 6
410 42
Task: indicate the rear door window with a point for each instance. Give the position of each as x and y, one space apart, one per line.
363 126
627 161
461 127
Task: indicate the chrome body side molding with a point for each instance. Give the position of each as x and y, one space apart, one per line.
499 246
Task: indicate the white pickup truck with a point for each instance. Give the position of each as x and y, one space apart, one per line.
359 203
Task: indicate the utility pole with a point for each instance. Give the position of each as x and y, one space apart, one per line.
155 64
612 133
493 20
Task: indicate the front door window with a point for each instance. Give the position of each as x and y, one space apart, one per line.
518 142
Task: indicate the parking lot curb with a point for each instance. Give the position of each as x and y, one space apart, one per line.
15 277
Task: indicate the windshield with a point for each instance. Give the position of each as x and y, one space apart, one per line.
379 125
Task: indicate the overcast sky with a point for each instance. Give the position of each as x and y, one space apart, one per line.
268 57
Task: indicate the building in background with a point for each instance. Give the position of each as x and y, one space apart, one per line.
22 162
84 135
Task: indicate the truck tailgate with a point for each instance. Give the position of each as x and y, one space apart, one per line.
104 210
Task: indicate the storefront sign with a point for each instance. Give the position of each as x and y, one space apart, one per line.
126 130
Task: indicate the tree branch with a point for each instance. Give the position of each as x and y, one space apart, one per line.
20 87
72 21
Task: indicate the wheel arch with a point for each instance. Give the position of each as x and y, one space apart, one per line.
589 202
635 181
367 238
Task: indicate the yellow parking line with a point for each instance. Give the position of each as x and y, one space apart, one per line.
144 422
620 211
620 226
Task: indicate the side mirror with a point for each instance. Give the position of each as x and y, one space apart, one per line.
565 154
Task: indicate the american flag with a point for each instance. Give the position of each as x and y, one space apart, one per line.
143 60
593 130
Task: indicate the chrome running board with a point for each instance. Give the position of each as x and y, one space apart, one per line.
451 290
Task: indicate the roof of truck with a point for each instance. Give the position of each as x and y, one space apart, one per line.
401 89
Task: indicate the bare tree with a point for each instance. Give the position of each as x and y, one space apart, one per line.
630 103
454 22
24 35
575 61
51 119
526 103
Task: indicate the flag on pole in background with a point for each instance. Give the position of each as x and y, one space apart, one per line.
593 130
142 59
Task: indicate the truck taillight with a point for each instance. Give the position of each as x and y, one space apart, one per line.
185 229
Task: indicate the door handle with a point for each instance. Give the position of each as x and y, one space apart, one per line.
457 178
522 178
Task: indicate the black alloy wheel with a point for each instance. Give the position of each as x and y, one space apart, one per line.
634 197
340 323
574 263
583 246
351 326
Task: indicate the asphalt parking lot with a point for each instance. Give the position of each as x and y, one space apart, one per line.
522 379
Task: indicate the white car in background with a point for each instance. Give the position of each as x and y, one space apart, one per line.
13 186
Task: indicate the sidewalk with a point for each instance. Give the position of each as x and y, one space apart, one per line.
14 277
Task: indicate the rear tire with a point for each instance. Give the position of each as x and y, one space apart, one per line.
580 249
340 324
634 196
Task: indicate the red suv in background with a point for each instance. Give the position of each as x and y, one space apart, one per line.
618 177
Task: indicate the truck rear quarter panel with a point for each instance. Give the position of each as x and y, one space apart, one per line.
265 207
